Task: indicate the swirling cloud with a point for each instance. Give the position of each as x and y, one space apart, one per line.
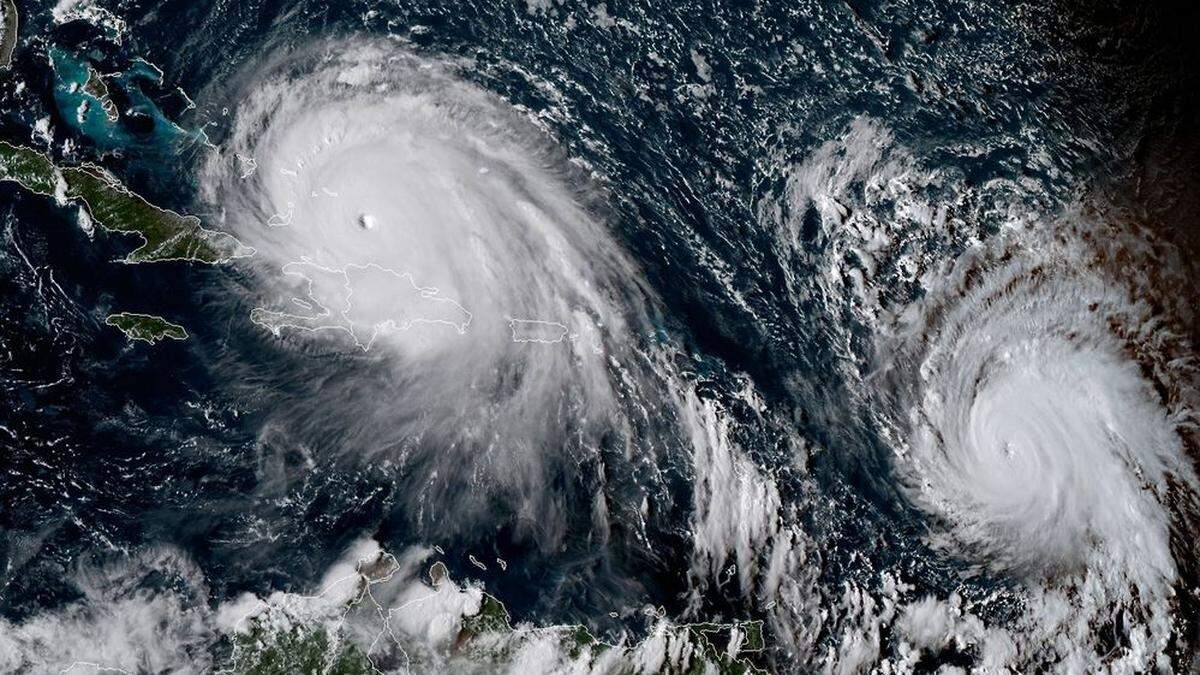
1033 431
405 213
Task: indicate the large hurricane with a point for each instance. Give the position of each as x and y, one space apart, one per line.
402 212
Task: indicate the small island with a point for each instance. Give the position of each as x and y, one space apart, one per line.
97 89
146 327
532 330
165 235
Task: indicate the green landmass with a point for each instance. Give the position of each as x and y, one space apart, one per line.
146 327
296 651
29 168
492 616
165 235
8 31
713 639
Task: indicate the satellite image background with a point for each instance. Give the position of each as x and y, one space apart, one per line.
541 336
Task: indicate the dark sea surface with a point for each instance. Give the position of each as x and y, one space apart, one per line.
687 119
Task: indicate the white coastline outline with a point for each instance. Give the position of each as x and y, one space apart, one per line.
427 292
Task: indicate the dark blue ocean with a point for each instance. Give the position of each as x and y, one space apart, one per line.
688 117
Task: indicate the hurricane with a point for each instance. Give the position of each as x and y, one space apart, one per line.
1032 426
404 212
1045 413
1039 396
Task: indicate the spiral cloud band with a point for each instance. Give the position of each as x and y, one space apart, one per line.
1034 432
1033 389
405 213
1044 430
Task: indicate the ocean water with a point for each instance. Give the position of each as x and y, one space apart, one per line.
879 332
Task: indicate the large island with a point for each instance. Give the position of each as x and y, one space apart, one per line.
165 235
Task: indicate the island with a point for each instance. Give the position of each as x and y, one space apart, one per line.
363 301
97 89
533 330
8 31
146 327
28 168
165 235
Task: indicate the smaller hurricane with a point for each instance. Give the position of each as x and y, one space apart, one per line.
1045 401
1032 383
1032 428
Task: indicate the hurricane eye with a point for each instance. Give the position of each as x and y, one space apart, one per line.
401 213
1035 432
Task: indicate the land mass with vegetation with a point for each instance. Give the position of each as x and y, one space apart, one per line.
165 235
146 327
